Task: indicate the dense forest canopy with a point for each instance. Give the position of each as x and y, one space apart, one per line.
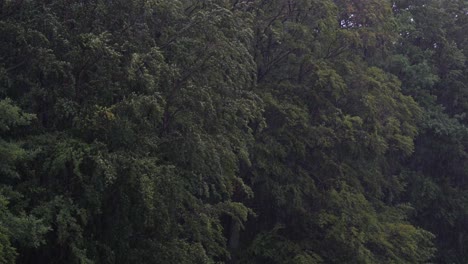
233 131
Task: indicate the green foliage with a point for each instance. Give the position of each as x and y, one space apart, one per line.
298 131
429 62
7 251
373 236
17 227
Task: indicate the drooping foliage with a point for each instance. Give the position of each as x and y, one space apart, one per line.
183 131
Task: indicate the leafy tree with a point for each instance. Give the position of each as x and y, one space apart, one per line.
18 227
284 131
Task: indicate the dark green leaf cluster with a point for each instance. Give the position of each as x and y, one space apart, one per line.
252 131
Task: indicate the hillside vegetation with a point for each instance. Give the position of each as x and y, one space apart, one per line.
223 131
